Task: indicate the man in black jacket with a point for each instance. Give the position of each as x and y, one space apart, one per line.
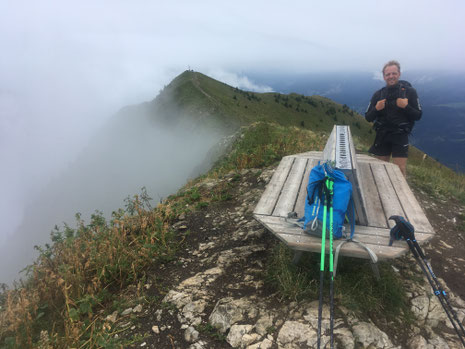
393 109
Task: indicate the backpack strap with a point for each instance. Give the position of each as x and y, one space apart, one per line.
383 93
371 253
373 256
295 221
402 91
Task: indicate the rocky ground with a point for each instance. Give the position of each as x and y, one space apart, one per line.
215 295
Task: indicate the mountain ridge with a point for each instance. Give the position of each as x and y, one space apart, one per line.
89 286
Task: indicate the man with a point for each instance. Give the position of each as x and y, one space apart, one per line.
393 109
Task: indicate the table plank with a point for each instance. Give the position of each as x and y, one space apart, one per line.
290 190
273 189
371 199
281 225
302 196
413 211
307 243
310 155
387 193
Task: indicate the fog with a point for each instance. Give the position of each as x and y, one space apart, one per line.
127 153
67 68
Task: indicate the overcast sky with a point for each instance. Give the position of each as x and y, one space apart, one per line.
66 66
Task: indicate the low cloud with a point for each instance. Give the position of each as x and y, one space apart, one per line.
236 80
378 76
129 152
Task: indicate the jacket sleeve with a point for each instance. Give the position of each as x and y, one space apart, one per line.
413 109
371 113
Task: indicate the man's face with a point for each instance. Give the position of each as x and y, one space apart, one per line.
391 75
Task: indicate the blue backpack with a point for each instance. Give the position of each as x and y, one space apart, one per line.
342 202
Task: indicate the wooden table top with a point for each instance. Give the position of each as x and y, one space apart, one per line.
384 193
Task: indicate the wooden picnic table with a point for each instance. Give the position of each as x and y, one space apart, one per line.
383 192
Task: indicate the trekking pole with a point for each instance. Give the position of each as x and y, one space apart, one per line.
322 269
439 291
406 230
329 184
435 289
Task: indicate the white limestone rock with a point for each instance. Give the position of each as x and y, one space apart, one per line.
420 307
264 323
229 311
344 337
126 312
249 338
436 314
265 344
438 343
192 310
236 333
191 334
137 308
112 318
368 335
311 315
296 332
418 342
179 299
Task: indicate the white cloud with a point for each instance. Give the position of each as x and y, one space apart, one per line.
236 80
378 75
333 90
423 80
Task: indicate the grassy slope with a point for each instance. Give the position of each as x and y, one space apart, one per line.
76 281
207 100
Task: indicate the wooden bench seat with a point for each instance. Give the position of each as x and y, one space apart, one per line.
383 192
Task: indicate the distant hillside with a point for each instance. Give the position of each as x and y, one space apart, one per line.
194 98
439 133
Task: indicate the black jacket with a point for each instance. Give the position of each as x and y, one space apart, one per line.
392 117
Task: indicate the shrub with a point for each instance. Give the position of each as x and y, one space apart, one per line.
74 278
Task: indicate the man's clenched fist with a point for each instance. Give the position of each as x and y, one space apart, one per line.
380 105
402 102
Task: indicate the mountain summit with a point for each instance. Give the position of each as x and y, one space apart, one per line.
197 271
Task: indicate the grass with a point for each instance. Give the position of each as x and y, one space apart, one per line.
211 331
294 282
79 278
264 144
216 104
74 281
434 178
355 285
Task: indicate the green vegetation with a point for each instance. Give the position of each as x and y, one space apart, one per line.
211 331
357 289
263 144
293 282
80 278
208 101
435 178
73 283
355 285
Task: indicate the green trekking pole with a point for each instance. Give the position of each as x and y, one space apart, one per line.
329 185
322 268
